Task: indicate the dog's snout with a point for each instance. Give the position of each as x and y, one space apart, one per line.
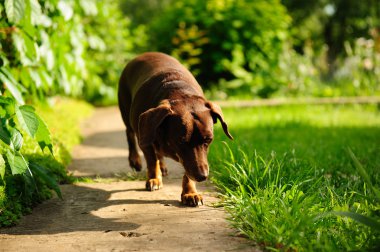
202 173
201 177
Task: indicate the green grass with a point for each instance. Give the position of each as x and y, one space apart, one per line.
63 118
288 175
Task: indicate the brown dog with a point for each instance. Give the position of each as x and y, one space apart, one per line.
163 105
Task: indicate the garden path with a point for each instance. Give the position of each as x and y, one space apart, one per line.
113 215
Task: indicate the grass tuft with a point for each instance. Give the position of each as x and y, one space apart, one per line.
293 193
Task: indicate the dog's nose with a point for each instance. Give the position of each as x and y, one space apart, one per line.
202 174
201 177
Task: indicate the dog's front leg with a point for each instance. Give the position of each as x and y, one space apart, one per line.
154 181
190 196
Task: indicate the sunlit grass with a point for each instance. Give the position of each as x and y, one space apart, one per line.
289 166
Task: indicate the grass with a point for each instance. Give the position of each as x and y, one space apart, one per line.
288 181
63 118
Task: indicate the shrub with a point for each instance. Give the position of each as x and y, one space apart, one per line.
235 42
74 48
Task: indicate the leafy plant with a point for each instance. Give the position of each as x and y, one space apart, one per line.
16 119
74 48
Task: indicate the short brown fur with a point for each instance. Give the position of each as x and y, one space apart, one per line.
163 105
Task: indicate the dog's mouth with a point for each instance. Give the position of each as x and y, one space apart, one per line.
199 177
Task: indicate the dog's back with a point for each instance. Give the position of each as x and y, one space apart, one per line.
150 78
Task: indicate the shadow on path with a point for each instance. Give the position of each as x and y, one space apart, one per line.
84 209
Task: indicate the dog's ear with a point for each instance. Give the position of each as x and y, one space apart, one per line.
216 113
150 120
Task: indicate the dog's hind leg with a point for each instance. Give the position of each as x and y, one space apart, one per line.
163 167
134 157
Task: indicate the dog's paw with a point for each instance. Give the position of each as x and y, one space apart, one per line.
153 184
191 199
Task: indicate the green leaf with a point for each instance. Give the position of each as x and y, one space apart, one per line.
2 166
11 84
30 47
16 162
66 10
43 136
15 10
36 11
35 77
28 119
89 7
46 176
20 44
16 140
8 105
5 136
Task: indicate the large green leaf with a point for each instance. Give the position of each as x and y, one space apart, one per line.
2 166
11 84
16 140
28 119
15 10
43 135
16 162
46 176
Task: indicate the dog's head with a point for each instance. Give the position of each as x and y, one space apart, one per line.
182 130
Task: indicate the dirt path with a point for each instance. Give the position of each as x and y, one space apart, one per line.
120 216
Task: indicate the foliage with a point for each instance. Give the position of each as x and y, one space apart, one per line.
18 193
69 47
289 183
242 49
14 166
332 23
73 47
360 70
142 13
238 41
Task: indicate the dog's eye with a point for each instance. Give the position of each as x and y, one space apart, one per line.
207 140
182 140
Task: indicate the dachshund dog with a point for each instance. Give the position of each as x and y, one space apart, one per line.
163 105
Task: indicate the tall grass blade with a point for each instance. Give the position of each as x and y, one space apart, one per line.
368 221
363 173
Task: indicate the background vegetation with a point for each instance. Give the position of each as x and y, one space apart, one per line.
268 48
289 181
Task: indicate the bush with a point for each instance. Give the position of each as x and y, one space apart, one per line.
75 48
233 43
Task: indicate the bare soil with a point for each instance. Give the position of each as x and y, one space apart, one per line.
120 215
